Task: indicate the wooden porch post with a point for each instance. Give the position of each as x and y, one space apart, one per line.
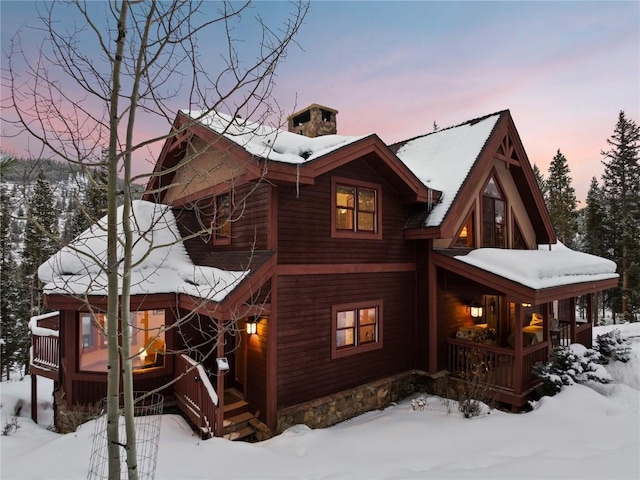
432 312
590 316
220 383
518 334
572 316
34 398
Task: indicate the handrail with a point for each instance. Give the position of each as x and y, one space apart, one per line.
196 396
45 341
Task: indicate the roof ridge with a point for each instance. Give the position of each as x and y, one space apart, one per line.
396 146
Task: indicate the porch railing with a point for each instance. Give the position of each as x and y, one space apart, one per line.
496 366
45 345
195 395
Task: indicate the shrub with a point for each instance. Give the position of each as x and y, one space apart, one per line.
10 427
576 364
613 347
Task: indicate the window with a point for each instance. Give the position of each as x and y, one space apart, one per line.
357 328
518 238
356 211
493 216
465 235
222 220
147 340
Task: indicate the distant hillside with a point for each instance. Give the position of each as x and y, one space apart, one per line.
26 171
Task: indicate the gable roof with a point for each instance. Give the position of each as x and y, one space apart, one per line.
286 156
443 159
160 259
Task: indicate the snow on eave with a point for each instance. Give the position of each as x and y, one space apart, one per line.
268 142
161 263
542 268
443 159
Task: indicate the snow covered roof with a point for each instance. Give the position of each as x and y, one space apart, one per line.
160 261
443 159
268 142
542 268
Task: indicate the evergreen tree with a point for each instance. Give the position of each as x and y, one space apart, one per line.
540 180
621 186
41 229
92 208
14 317
596 239
561 200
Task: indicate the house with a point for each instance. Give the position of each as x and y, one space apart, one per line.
309 276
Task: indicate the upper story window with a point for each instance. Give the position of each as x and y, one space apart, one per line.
147 340
355 209
494 231
518 238
357 327
465 238
222 220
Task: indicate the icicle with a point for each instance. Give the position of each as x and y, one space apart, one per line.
298 181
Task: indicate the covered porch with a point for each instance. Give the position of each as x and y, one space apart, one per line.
497 325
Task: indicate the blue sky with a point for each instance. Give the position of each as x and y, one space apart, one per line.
564 69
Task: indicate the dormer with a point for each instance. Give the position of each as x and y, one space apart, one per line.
314 121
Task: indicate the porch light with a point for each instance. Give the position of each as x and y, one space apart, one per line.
475 309
252 327
526 305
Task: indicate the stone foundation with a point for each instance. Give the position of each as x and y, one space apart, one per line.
326 411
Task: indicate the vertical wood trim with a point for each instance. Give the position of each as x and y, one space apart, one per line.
590 316
433 310
518 374
34 398
220 382
572 315
69 365
272 220
272 359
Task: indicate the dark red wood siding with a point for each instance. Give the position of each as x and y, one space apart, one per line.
249 216
305 368
304 223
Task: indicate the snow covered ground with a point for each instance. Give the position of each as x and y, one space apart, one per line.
581 433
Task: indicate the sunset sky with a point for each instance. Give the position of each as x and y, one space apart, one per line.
563 69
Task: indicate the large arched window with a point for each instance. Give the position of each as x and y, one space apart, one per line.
494 211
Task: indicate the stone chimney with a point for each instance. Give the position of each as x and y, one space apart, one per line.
314 121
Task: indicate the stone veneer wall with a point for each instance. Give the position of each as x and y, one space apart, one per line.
332 409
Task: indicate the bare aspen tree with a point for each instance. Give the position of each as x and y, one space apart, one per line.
104 67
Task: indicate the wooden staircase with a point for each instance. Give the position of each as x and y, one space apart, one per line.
239 423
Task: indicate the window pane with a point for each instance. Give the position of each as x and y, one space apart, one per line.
346 319
366 200
491 190
366 222
223 213
149 340
367 334
367 316
500 217
92 355
345 196
345 338
344 218
488 217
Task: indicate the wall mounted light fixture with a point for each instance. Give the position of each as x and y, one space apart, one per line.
252 326
475 309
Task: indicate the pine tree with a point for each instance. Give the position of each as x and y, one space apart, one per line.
92 208
561 200
39 241
14 316
542 185
621 186
595 232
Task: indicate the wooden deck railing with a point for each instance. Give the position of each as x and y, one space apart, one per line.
45 346
496 365
195 395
